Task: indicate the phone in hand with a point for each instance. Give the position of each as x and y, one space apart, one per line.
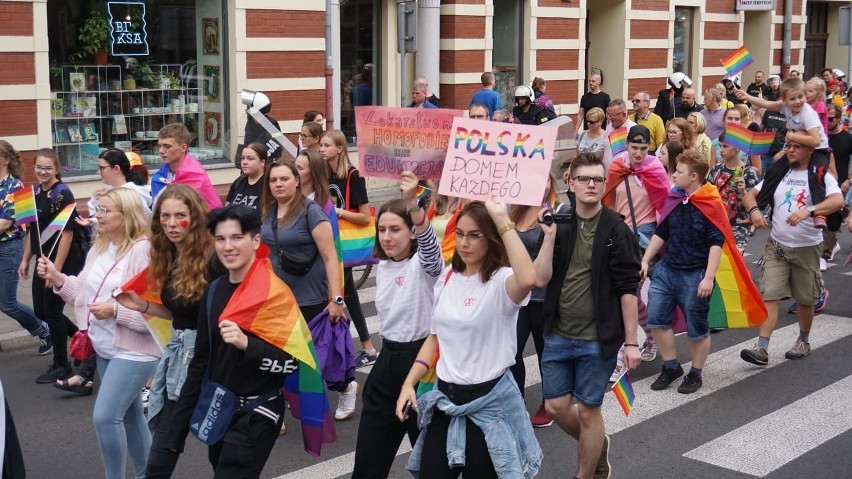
406 408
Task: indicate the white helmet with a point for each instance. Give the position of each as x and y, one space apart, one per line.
679 80
735 79
256 99
524 91
838 73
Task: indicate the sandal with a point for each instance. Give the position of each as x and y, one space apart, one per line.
84 389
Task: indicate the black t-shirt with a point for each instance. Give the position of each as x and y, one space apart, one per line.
185 313
590 100
48 204
775 122
536 115
337 189
841 146
758 91
244 193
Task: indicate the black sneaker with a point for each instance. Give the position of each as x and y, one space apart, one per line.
54 372
666 377
690 384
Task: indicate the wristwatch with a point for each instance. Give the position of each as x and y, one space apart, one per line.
338 300
811 210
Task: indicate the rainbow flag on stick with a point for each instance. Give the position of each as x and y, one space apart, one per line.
58 224
25 208
747 141
160 328
737 61
422 192
263 305
618 141
623 391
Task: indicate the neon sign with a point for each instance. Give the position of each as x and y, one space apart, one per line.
128 35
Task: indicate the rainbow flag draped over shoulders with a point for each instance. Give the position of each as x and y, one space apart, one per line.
160 328
25 208
623 391
735 301
737 61
264 306
650 172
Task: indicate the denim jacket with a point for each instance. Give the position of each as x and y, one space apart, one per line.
171 370
503 418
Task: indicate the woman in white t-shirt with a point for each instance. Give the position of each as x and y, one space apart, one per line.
474 326
409 264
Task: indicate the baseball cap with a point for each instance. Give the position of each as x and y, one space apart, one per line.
639 134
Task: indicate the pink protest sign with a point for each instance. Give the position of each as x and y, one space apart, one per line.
510 161
393 140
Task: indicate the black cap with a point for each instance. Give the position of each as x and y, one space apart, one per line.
639 134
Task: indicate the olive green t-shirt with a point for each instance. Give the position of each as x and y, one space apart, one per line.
576 318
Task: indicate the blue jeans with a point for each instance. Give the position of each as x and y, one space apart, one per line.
577 367
118 416
11 252
673 287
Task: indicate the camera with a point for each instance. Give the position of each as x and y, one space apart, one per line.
549 217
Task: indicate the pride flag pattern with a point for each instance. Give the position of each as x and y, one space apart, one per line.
735 301
160 328
623 392
58 224
25 208
335 232
737 61
618 141
422 192
357 241
747 141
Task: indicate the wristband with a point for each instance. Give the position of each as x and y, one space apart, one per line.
634 345
422 363
753 209
114 309
147 305
506 228
423 222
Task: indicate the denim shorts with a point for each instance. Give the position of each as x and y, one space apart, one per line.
577 367
673 287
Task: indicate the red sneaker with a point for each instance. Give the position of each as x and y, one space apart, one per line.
541 418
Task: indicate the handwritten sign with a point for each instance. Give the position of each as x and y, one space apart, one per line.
128 36
510 161
393 140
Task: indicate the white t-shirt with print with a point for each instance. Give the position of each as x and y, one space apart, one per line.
476 324
807 119
791 195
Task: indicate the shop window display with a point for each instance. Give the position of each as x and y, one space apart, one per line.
120 71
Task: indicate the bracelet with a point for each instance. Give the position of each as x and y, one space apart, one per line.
115 309
147 305
417 225
634 345
505 228
753 209
422 363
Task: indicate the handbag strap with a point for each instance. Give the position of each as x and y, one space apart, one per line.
630 205
275 229
210 291
98 292
348 189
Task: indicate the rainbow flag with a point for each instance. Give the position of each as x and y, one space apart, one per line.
160 328
422 192
550 202
24 203
448 242
430 379
264 306
737 61
623 391
735 301
618 141
335 231
747 141
357 241
58 224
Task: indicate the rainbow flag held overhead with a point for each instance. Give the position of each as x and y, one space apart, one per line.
422 192
25 208
58 224
737 61
263 305
160 328
623 391
735 301
747 141
618 141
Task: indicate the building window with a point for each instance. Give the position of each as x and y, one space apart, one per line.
359 54
682 54
120 71
506 56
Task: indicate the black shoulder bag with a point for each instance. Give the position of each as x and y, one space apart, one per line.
290 262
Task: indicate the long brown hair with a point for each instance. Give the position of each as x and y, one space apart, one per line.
674 148
686 128
188 269
517 212
16 166
496 256
399 208
54 157
268 203
343 164
319 176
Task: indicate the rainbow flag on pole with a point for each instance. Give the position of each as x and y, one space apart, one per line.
160 328
735 301
618 141
747 141
25 208
58 224
623 391
263 305
422 192
737 61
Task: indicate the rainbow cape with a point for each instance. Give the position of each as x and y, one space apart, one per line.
651 173
58 224
264 306
737 61
335 231
618 141
623 391
747 141
24 203
735 301
160 328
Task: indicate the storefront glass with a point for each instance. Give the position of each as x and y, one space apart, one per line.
120 71
359 54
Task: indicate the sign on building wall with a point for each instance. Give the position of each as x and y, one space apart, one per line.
755 4
128 36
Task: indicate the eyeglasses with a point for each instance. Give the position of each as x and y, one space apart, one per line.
587 180
616 115
595 122
46 169
673 132
303 136
101 211
637 101
473 236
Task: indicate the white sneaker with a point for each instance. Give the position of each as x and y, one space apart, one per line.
346 403
823 264
616 373
834 251
146 394
649 352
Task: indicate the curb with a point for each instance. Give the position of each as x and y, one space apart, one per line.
16 340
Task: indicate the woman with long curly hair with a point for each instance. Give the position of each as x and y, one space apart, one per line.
180 268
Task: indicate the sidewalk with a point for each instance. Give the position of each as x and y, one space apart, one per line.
13 336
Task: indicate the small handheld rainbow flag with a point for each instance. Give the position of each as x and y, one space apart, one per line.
25 208
737 61
160 328
422 192
58 224
618 141
747 141
623 391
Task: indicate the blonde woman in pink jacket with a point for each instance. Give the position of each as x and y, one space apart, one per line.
126 352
